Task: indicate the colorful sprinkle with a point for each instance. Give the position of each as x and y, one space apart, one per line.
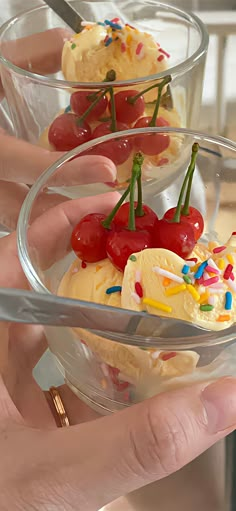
67 109
175 290
216 291
133 258
155 354
168 356
231 285
192 261
193 292
230 259
221 264
187 279
138 276
108 42
232 277
139 48
168 274
166 282
212 300
129 39
210 281
160 58
113 289
212 264
136 298
83 265
211 269
157 305
138 289
206 308
217 250
228 301
228 271
204 298
199 273
223 317
164 52
73 46
111 24
185 269
123 47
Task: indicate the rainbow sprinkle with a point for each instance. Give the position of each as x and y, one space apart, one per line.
113 289
228 301
228 271
138 289
217 250
209 282
206 308
200 270
185 269
157 305
168 274
175 290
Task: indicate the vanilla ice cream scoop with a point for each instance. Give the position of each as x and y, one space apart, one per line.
103 46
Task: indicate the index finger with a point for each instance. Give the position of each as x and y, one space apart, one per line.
39 53
49 236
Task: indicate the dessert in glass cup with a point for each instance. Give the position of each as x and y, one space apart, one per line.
117 64
154 254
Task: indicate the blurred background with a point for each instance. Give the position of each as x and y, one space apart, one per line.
219 97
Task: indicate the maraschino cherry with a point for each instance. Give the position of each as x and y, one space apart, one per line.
176 234
124 242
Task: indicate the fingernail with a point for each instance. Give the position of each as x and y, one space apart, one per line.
219 400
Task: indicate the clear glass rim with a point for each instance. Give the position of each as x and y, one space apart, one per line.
173 71
207 336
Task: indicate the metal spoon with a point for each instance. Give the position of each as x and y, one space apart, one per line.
67 13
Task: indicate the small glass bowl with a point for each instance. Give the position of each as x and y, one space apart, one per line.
108 374
36 97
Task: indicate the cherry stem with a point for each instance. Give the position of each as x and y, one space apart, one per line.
90 108
113 111
136 174
107 222
164 82
178 211
132 99
110 77
139 209
185 209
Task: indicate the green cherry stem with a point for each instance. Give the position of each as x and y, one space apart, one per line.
110 77
188 174
136 174
139 209
164 82
185 209
90 108
132 99
107 222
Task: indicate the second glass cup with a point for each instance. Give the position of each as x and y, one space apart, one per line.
124 364
39 93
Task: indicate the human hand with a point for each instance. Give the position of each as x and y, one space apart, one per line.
93 461
22 163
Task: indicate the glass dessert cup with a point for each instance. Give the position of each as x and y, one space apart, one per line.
112 370
35 100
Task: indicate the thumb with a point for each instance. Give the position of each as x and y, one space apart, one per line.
115 455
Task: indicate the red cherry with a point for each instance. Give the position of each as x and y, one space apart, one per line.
151 143
125 111
80 101
142 223
89 238
121 244
117 150
65 133
177 237
194 219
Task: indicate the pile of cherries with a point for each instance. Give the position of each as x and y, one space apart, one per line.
112 113
132 226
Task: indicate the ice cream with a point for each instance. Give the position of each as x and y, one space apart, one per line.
111 45
166 279
158 281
